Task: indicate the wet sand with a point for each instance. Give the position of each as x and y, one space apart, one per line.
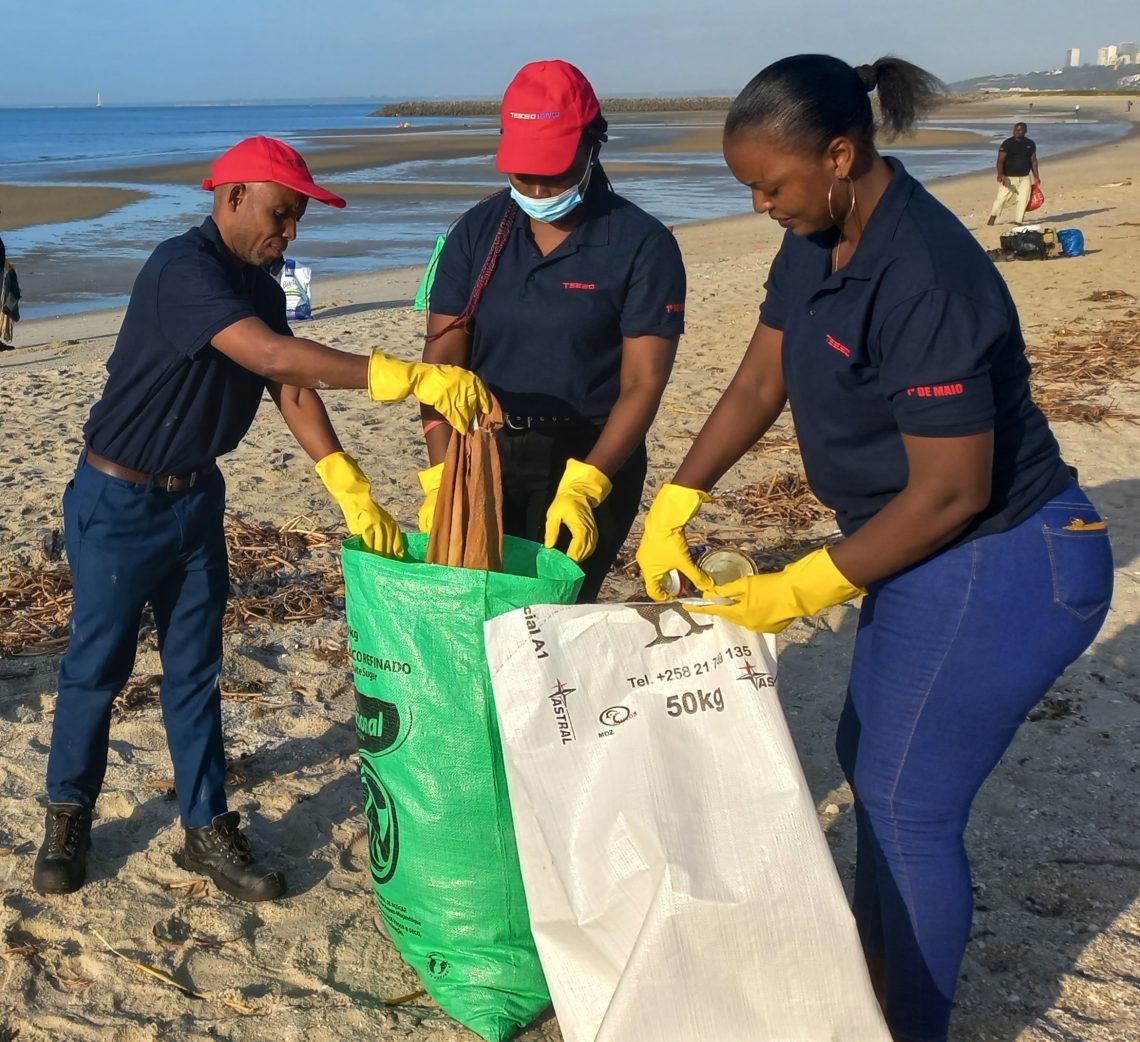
27 205
708 139
341 152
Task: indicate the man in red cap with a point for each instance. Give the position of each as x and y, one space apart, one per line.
576 332
204 337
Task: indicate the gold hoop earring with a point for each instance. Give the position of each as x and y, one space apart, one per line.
851 206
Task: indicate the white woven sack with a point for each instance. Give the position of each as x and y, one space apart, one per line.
678 882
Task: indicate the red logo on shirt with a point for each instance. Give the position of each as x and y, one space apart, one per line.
671 309
579 285
843 349
936 391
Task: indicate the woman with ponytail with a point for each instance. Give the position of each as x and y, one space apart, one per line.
568 301
983 567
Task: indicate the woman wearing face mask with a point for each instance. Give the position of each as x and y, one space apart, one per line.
568 301
985 567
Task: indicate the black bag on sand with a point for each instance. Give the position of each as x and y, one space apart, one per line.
1030 244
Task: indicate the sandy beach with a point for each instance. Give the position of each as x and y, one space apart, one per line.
1054 839
26 205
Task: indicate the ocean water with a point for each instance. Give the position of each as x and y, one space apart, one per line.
80 265
66 144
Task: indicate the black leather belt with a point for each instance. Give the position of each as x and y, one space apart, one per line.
165 482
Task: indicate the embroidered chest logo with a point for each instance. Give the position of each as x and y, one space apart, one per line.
674 309
839 346
579 285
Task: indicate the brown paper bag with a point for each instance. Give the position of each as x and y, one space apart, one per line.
467 528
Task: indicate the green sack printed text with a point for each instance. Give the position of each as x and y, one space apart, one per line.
441 844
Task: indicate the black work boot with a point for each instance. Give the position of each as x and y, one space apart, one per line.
61 864
221 852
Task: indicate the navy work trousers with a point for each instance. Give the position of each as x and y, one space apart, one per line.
950 656
129 545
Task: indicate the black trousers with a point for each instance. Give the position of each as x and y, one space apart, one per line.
532 465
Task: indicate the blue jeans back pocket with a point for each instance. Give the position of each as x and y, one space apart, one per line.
1080 557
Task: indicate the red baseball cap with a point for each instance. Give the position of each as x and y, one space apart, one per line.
267 159
545 109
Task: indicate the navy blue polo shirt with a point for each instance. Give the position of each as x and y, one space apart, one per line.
917 335
547 337
172 403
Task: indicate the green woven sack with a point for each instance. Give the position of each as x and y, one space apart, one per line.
442 848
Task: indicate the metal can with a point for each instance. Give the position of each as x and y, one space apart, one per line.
722 564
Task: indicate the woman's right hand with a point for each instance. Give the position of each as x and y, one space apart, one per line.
663 546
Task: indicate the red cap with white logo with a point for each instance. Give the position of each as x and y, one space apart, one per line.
267 159
545 109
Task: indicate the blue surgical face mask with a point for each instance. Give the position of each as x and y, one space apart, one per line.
555 207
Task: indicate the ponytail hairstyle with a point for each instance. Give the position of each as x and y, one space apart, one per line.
808 100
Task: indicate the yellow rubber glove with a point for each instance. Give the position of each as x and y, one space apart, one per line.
430 480
581 489
350 488
768 603
457 394
663 546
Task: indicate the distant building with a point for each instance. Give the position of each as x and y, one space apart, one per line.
1106 55
1127 50
1073 57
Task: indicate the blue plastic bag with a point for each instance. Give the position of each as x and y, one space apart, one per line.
1072 242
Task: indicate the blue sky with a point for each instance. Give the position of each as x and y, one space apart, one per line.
60 52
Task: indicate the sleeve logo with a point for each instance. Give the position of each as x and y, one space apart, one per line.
935 391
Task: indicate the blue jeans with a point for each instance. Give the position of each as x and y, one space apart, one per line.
950 656
129 545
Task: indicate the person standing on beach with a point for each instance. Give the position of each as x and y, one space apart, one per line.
569 302
9 302
203 339
984 569
1016 173
9 299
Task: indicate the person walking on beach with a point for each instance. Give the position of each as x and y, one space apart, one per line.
9 299
9 302
1016 173
983 567
204 337
569 302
